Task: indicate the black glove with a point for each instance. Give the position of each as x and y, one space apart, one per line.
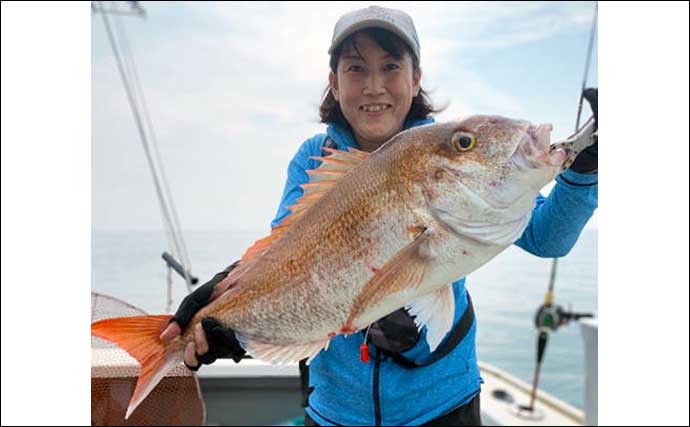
221 341
588 160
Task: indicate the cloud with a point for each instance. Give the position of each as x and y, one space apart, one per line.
233 90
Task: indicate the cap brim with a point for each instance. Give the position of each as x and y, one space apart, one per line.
373 23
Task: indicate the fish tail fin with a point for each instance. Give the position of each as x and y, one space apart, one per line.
140 337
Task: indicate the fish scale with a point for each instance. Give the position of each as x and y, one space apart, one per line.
291 295
308 309
371 234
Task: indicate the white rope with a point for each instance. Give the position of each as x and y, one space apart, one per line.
174 229
134 94
132 74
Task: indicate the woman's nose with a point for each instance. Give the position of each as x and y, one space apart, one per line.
374 84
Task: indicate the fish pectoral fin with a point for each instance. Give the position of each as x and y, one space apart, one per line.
436 311
276 354
406 270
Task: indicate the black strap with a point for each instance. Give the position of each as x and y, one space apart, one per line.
304 382
458 334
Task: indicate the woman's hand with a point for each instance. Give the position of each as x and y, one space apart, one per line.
211 339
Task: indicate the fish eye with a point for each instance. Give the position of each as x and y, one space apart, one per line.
464 141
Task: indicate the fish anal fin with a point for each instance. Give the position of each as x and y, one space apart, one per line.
282 354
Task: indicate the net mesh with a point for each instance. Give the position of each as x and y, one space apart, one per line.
176 400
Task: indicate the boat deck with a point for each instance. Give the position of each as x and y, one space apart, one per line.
256 393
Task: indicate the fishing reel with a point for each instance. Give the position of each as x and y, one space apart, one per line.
550 317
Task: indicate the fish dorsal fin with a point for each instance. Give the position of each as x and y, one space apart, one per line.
334 166
435 311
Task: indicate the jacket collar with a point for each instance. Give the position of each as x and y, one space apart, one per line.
343 138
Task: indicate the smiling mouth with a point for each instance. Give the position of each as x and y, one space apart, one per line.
375 108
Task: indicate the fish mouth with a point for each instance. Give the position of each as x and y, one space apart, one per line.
534 152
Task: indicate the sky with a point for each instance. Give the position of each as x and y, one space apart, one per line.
233 90
201 117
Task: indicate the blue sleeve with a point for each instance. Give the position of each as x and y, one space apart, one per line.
558 219
297 175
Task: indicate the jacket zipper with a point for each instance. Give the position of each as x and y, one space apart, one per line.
377 378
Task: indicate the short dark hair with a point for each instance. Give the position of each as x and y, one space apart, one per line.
421 107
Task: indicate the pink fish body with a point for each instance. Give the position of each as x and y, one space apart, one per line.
372 233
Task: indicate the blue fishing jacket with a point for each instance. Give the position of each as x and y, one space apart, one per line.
383 392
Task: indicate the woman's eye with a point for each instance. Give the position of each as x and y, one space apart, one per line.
390 67
354 68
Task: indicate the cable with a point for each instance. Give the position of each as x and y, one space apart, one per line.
131 97
554 264
174 228
589 57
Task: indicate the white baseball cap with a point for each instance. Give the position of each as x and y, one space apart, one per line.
395 21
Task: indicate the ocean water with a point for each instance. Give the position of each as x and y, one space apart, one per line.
506 293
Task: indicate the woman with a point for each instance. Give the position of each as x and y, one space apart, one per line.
374 92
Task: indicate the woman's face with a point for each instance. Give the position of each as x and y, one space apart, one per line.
374 90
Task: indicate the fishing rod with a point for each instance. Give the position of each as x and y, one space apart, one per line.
550 317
